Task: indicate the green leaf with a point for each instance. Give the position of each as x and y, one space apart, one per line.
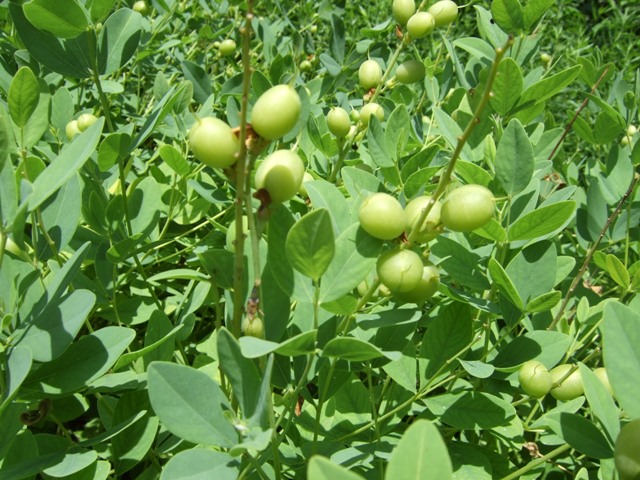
471 410
534 10
62 18
18 365
162 108
201 464
323 194
421 455
547 88
355 350
241 372
68 57
621 337
131 446
51 332
546 347
617 270
514 159
580 433
477 369
446 335
83 362
70 160
507 86
118 40
544 302
113 149
542 222
190 404
292 282
601 403
129 357
508 15
321 468
377 144
504 283
24 94
99 9
477 47
355 256
300 344
452 132
176 161
200 80
310 244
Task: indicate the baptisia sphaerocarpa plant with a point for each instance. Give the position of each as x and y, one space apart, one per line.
325 240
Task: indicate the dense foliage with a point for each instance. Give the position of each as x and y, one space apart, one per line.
268 240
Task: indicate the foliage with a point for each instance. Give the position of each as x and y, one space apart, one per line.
165 318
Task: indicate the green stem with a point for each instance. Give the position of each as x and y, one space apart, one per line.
445 178
240 171
592 250
3 244
93 53
538 461
321 399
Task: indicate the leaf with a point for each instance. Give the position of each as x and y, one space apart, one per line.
514 159
190 404
337 37
200 79
310 244
544 302
18 365
534 10
508 15
113 149
477 369
601 403
323 194
477 47
119 40
321 468
162 108
452 132
421 454
471 410
621 337
70 160
580 433
70 57
99 9
24 94
51 332
546 347
292 282
356 255
547 88
355 350
507 86
201 464
542 222
504 283
446 335
377 144
176 161
62 18
617 270
241 372
83 362
300 344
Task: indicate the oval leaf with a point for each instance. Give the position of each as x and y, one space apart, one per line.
310 245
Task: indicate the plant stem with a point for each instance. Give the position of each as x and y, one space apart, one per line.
241 173
538 461
445 178
592 250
